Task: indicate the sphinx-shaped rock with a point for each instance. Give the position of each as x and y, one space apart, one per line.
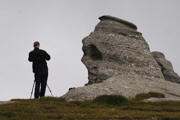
119 62
116 47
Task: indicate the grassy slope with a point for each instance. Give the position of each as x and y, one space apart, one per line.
58 109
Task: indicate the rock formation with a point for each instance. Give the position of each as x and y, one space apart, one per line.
119 62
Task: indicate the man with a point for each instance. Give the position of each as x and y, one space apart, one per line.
38 57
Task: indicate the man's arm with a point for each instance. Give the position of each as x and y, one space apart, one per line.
47 56
30 58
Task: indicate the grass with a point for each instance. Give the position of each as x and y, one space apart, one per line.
111 99
102 108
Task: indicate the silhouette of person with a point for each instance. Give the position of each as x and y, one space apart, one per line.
38 57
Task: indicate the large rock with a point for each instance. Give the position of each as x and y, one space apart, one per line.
166 67
119 62
115 47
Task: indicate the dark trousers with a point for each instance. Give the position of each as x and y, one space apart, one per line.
40 86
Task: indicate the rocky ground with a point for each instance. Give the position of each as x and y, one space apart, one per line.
128 86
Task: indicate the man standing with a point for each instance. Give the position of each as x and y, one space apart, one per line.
38 57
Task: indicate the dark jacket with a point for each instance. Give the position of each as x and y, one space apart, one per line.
39 57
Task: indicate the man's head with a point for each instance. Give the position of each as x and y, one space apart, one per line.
36 44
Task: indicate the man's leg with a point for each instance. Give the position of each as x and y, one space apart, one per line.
37 86
43 85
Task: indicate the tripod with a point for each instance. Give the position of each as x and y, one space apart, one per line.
33 89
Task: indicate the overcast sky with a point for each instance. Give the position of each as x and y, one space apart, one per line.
60 26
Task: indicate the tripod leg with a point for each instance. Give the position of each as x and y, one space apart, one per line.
32 90
49 89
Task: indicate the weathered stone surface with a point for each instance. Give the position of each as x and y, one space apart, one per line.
166 67
119 62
